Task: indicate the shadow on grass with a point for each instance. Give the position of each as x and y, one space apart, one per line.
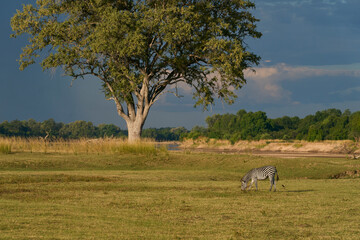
299 191
283 190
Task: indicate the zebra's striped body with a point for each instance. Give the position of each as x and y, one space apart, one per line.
260 174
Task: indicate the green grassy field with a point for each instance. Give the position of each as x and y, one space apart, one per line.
165 195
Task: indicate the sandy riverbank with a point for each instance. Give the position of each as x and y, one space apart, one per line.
279 148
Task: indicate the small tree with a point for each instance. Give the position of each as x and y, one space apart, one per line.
354 125
139 48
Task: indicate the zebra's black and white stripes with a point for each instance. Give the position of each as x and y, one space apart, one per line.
260 174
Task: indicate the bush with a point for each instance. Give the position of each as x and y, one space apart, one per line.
265 136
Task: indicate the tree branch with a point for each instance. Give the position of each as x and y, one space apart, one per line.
119 107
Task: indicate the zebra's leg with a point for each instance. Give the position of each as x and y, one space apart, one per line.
274 184
256 184
252 181
271 182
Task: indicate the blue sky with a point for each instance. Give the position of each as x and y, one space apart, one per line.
310 53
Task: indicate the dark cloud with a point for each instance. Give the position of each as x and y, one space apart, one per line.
309 32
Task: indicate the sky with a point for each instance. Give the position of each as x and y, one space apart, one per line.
310 52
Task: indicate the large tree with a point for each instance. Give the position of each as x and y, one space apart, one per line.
138 48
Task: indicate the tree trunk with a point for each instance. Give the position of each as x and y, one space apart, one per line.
135 129
137 111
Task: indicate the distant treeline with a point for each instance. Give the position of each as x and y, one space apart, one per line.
331 124
50 128
81 129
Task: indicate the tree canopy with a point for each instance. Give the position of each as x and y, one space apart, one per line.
330 124
138 48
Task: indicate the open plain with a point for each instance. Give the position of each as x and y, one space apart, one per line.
175 195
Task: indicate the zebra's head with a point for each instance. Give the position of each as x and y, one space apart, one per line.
245 179
243 184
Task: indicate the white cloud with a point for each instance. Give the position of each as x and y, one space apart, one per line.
265 83
283 71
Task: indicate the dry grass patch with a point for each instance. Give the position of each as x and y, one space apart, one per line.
5 148
79 146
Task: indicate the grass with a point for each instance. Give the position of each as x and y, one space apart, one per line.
77 146
169 195
5 148
298 145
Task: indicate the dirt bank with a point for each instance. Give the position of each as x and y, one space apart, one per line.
278 148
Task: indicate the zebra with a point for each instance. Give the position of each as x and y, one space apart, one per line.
260 174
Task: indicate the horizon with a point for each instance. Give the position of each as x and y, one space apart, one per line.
173 127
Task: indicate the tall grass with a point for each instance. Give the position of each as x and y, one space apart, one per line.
5 148
102 145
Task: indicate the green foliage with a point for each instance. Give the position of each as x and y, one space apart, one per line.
82 129
324 125
197 131
109 130
165 134
354 124
243 125
50 128
328 124
78 129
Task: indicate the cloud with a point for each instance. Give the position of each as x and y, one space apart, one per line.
182 86
347 92
297 3
283 71
266 83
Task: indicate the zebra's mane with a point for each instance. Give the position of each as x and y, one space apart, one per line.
247 176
